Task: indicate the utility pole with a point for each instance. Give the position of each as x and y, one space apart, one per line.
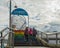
10 15
10 38
10 24
11 35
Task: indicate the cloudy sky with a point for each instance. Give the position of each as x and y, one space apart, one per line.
41 12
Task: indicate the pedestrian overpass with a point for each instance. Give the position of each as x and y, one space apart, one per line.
20 41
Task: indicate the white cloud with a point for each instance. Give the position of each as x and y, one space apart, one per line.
46 10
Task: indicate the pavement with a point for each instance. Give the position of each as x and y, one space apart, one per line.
31 47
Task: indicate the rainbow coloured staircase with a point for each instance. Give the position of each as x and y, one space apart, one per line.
20 41
18 37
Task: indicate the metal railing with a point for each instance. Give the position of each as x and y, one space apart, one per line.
2 37
39 33
50 33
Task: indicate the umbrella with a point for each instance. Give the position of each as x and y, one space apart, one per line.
19 11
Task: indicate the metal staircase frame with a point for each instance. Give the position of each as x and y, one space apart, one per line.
47 34
2 37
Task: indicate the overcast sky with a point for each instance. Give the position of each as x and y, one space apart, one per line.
41 12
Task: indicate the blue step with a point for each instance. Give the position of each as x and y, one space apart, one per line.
22 42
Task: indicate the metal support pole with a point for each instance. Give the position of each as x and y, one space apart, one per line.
12 39
10 15
47 37
10 34
56 38
28 31
2 42
41 34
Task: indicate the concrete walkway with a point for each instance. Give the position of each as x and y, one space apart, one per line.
31 47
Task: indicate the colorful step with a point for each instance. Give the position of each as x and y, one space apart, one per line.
18 36
19 32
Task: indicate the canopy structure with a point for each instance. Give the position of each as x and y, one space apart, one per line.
20 18
19 11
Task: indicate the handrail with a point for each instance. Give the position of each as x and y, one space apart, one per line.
3 30
6 29
2 37
5 35
11 29
49 33
46 44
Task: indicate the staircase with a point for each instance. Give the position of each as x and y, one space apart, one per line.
32 41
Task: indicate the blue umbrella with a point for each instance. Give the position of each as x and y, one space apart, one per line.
19 11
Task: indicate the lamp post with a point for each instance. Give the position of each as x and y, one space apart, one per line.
10 15
10 42
10 34
10 24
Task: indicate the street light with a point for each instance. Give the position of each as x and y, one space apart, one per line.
14 5
11 37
